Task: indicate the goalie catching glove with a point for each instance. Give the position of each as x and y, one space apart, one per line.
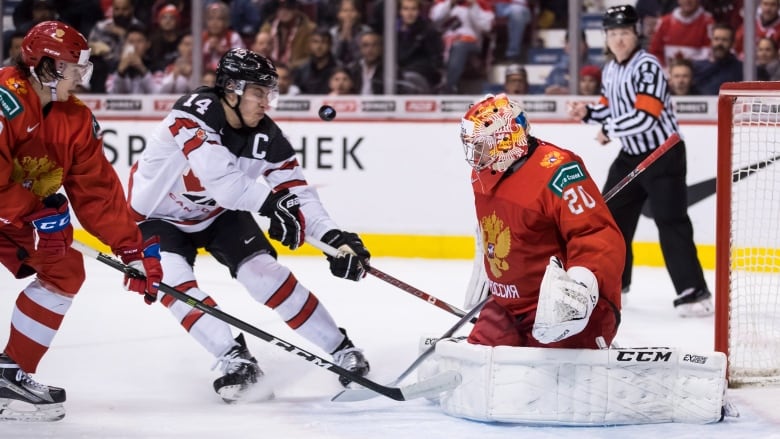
566 301
352 261
146 260
287 223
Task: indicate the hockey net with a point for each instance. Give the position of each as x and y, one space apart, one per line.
747 321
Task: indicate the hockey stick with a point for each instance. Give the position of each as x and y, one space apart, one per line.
433 385
674 139
363 394
328 250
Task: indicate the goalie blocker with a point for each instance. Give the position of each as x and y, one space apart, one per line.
581 387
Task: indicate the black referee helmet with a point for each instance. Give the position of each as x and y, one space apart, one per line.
620 16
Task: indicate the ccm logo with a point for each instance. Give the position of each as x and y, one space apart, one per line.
644 356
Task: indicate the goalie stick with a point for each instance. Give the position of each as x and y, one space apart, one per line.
363 394
431 386
452 309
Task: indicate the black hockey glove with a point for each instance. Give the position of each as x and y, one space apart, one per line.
352 263
287 223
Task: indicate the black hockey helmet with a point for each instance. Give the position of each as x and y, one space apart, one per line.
239 67
620 16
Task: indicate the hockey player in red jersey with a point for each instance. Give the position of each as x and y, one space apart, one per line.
49 140
552 252
196 186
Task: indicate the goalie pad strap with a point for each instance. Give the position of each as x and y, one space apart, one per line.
583 386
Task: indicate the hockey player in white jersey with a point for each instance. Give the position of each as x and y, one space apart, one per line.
197 185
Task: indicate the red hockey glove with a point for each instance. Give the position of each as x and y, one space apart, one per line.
143 260
287 222
52 225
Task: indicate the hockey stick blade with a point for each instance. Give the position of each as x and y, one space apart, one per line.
437 383
363 394
331 251
673 140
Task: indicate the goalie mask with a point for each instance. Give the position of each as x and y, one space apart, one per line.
494 132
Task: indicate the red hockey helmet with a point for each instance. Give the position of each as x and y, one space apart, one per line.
56 40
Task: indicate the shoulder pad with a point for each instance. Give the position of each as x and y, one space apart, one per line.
204 105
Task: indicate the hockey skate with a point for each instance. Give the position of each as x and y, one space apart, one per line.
24 399
242 379
348 357
694 303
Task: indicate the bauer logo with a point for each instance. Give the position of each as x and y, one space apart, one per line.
644 356
564 176
698 359
293 105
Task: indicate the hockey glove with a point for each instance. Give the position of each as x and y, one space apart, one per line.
287 222
52 225
146 261
353 259
566 301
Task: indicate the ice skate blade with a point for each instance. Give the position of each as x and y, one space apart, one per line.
15 410
254 393
702 308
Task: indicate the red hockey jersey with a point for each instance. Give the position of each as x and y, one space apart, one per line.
42 150
548 206
682 37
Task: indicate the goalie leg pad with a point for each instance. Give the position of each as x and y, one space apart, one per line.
583 387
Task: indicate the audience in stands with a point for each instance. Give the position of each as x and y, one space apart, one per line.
681 77
41 10
107 40
209 78
245 18
313 76
767 60
420 50
722 65
165 38
285 81
683 33
345 33
14 47
368 72
291 30
590 81
557 82
218 38
263 44
134 74
767 23
464 24
517 14
515 80
340 83
177 77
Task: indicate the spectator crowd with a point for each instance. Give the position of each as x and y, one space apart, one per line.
335 47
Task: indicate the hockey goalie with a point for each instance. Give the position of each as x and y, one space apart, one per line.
551 262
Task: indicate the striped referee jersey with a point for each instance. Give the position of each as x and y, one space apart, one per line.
635 104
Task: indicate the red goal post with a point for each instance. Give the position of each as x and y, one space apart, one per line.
747 271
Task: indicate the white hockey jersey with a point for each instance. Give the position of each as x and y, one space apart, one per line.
196 166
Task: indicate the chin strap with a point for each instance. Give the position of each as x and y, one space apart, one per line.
52 84
235 109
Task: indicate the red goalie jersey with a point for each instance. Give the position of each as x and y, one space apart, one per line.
544 205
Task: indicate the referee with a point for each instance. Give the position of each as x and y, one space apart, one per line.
635 107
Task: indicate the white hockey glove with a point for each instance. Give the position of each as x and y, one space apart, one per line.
566 301
478 287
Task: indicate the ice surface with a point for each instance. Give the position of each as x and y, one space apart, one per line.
131 372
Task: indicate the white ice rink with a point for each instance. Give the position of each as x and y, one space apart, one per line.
131 371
